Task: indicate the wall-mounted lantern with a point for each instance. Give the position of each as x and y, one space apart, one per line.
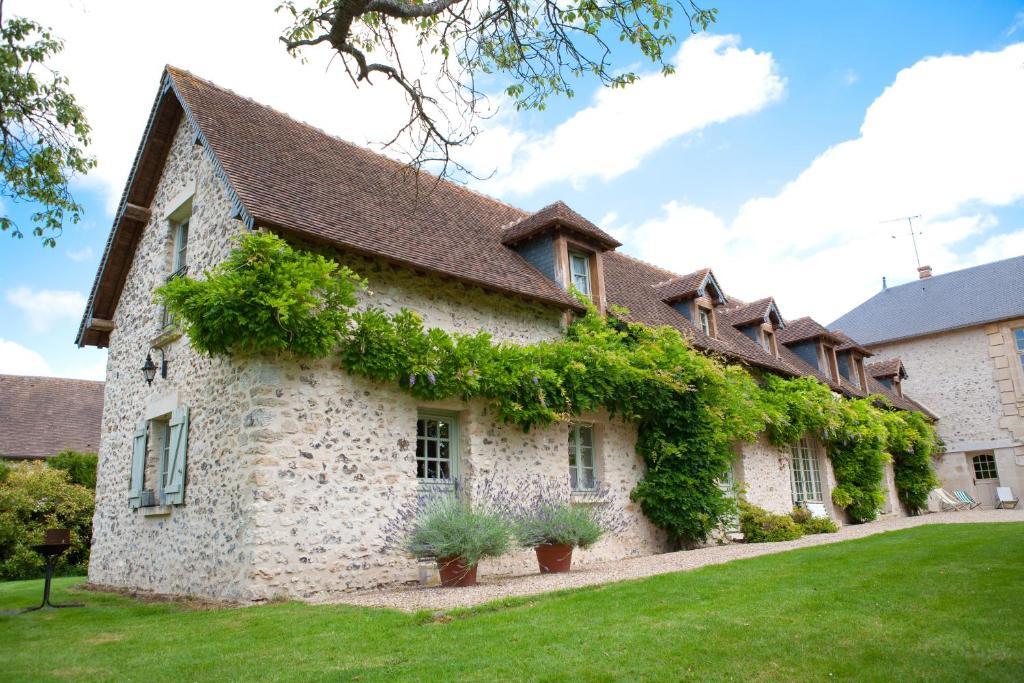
149 368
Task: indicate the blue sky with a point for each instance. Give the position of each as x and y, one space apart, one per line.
790 133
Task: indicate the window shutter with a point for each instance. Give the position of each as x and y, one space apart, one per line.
174 492
138 470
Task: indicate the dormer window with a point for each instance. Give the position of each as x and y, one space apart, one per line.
768 342
579 265
705 320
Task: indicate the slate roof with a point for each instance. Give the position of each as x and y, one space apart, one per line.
951 301
552 215
42 416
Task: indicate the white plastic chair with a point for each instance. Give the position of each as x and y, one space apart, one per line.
1005 498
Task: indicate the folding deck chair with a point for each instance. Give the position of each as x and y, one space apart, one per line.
948 502
966 499
1005 498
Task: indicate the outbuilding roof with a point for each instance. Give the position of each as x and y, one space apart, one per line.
963 298
42 416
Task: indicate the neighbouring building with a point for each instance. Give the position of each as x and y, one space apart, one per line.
42 416
956 341
255 478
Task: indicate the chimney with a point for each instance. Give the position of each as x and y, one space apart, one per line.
924 272
885 285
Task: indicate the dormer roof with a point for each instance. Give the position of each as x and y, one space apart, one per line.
803 329
698 283
885 369
760 311
557 215
848 344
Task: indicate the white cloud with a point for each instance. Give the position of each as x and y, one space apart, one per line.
80 255
90 369
115 51
714 81
850 76
1017 25
16 359
944 141
45 307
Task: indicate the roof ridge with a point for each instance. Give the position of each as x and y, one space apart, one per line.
953 272
362 149
51 377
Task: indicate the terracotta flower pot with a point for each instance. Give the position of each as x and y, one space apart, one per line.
454 572
554 558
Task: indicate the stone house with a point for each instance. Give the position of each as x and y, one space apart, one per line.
957 342
253 478
42 416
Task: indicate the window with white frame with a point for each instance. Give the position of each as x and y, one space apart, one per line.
1018 338
180 248
158 466
582 467
806 476
768 342
985 466
436 448
705 320
580 266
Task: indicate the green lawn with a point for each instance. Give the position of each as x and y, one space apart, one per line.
937 602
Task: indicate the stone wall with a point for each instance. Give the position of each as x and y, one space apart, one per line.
973 380
203 546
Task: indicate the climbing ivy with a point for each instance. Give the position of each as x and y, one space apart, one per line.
689 408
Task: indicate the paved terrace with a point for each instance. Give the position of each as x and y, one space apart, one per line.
413 598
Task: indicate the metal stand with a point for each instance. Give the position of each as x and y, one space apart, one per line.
51 552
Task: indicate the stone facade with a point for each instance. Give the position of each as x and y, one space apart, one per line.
294 469
973 380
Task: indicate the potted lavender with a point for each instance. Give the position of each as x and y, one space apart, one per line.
546 520
449 529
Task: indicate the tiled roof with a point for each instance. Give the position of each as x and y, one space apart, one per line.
42 416
802 329
964 298
885 368
749 314
557 214
297 179
693 284
846 343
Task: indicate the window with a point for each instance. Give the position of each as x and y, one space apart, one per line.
806 475
1018 338
436 446
180 248
179 264
580 265
705 320
768 342
985 466
158 461
582 473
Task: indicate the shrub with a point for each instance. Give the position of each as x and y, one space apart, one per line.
818 525
541 511
81 467
448 526
558 523
34 498
760 526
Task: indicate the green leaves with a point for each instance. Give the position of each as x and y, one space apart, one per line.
43 131
690 409
266 298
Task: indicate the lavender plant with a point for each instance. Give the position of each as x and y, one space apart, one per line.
541 512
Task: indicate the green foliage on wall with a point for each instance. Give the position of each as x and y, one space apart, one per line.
913 443
689 408
266 297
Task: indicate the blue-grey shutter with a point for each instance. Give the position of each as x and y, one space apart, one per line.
138 470
174 491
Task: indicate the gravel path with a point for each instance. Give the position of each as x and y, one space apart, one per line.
413 598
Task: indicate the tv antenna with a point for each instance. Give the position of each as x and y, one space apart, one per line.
910 228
